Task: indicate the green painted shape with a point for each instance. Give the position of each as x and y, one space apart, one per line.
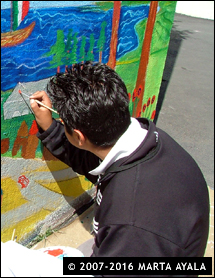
158 52
15 12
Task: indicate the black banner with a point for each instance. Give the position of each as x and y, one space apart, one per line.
137 266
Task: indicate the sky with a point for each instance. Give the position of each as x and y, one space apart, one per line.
45 4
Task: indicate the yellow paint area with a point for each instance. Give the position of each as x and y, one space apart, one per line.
127 62
72 188
52 166
12 197
56 165
23 227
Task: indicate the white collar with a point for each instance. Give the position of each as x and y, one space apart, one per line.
126 144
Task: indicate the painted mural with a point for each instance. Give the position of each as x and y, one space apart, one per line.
40 38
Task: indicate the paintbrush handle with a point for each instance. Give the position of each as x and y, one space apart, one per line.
42 104
39 102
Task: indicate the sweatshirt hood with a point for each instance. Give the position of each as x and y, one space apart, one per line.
124 147
146 149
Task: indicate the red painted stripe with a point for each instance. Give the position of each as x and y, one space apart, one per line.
25 8
34 129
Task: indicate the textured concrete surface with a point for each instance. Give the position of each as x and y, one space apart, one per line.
186 99
72 235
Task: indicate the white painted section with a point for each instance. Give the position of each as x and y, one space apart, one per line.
201 9
19 12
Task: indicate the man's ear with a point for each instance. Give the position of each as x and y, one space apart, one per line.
80 138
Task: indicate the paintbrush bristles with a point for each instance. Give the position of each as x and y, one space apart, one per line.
24 94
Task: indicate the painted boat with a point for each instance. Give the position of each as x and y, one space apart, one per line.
16 37
19 10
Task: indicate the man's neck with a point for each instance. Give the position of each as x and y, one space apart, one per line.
100 152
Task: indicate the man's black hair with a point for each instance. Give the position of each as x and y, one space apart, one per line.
92 98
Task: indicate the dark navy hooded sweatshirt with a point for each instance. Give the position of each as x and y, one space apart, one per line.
153 203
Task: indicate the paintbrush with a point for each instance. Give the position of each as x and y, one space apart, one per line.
27 104
39 102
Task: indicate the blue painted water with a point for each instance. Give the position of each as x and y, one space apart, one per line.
26 62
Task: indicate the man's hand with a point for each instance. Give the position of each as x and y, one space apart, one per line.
43 115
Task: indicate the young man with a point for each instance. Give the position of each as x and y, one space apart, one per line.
152 199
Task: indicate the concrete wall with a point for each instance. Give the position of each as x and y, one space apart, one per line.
202 9
40 193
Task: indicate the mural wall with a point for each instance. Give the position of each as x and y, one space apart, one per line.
40 38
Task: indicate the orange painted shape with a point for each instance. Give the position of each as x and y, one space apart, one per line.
153 115
55 252
47 155
114 36
23 130
34 129
16 37
5 143
31 147
20 143
144 58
